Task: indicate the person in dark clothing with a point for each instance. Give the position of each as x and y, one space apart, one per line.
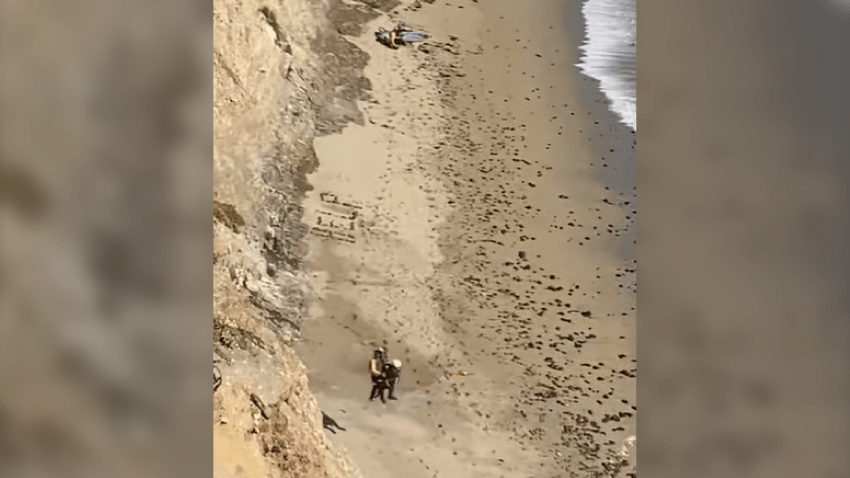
391 374
376 367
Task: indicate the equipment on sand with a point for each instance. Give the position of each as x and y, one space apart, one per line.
412 37
399 36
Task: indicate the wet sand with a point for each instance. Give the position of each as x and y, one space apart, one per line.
465 227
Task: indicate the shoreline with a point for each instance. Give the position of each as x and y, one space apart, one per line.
439 152
616 169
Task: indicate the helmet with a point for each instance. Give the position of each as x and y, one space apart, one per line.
396 363
381 350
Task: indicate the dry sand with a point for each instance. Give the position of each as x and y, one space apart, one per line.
464 227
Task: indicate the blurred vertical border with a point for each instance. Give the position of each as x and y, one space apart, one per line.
743 170
105 238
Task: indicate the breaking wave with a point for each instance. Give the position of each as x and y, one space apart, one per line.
609 53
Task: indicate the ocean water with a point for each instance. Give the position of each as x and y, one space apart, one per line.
609 53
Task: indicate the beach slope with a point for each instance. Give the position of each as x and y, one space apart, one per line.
464 226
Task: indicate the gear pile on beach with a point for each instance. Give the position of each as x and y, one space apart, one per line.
399 36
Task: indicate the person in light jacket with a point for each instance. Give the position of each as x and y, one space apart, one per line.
376 368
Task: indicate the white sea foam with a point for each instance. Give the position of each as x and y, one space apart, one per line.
609 53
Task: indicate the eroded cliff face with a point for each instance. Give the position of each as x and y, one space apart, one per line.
283 73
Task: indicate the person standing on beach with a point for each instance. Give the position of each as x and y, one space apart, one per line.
376 368
391 373
393 39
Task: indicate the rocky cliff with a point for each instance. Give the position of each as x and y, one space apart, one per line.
283 73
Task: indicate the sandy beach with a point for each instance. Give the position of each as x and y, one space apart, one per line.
465 227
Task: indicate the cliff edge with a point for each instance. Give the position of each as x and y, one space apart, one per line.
283 74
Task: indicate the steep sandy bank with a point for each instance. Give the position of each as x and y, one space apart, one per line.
374 212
